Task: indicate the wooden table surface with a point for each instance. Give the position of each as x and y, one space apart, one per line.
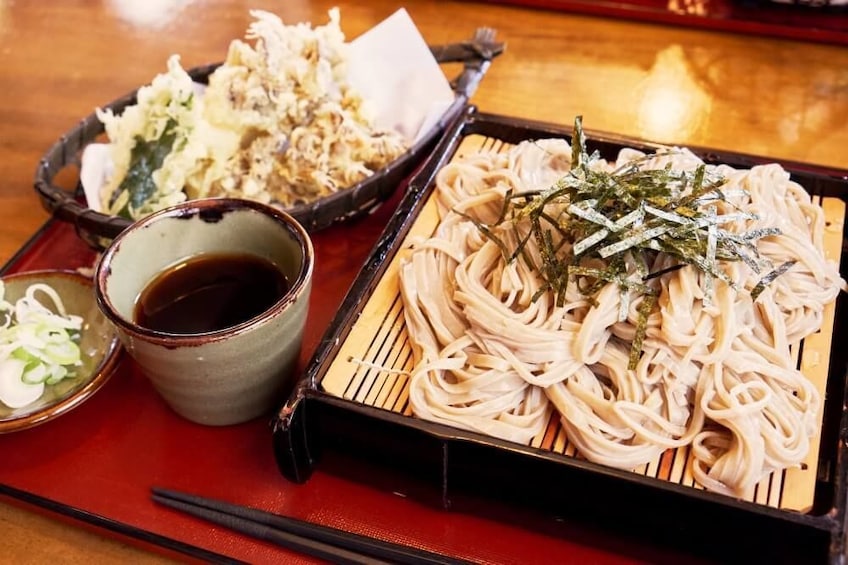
750 94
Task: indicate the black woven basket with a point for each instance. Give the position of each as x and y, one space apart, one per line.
68 203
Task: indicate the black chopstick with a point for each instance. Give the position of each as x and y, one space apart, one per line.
331 544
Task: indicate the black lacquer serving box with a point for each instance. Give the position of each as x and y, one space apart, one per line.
354 419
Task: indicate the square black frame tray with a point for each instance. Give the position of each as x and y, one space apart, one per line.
469 472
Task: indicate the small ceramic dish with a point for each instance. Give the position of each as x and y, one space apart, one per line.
99 346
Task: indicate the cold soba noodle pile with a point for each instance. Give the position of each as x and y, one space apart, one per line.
650 301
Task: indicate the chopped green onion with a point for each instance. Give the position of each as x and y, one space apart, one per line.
38 345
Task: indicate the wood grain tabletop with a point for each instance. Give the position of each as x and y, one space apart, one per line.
773 97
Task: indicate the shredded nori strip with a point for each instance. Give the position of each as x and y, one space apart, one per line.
769 278
641 329
624 218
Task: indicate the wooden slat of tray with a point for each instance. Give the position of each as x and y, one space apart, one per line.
373 363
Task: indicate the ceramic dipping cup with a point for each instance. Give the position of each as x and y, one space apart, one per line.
227 375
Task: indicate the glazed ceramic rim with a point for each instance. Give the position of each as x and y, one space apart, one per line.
201 207
96 379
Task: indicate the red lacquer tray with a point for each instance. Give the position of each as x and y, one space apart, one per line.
97 463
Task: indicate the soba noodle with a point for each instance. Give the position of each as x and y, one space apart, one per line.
495 355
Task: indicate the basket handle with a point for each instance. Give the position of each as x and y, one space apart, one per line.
476 54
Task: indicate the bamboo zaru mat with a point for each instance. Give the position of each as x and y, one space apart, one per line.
373 363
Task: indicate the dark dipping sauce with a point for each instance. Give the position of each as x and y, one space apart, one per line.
210 292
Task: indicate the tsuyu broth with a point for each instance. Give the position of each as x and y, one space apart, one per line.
210 292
